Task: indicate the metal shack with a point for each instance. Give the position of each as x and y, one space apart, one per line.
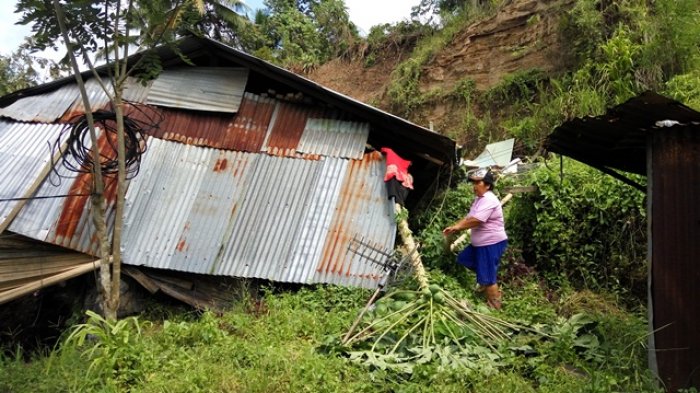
250 171
658 137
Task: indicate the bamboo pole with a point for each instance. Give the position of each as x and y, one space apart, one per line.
45 282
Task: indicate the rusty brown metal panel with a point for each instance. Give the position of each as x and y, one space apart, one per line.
676 255
244 131
363 210
288 125
249 126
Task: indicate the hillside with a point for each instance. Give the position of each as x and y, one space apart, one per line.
522 35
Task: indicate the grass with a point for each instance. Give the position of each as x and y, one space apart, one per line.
277 346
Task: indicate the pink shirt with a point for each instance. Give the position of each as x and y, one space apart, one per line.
487 209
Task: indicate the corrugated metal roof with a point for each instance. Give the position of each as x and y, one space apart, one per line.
65 221
334 138
24 151
44 108
96 96
215 89
135 91
618 139
287 126
284 214
66 102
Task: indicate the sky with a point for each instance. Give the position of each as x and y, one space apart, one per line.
364 13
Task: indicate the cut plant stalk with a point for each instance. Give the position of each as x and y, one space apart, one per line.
415 316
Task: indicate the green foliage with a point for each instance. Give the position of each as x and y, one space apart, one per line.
520 86
114 349
272 344
586 226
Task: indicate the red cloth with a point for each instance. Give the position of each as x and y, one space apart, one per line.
397 167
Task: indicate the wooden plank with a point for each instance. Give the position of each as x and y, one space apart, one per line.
186 296
178 282
12 294
141 278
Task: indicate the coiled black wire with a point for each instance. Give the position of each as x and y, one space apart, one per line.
78 155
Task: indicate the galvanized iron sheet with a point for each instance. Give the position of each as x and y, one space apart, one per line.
43 108
362 211
96 96
334 138
239 214
25 150
214 89
243 131
287 126
135 91
65 220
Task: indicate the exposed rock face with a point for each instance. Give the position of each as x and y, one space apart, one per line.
522 35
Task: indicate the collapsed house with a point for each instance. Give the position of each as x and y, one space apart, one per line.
249 171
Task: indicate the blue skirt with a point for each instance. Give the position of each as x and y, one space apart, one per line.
483 260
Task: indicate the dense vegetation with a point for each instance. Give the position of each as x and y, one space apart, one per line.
575 270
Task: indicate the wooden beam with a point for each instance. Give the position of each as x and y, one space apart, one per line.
12 294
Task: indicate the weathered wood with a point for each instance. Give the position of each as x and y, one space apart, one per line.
176 281
142 279
11 294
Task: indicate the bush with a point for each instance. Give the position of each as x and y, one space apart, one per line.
586 227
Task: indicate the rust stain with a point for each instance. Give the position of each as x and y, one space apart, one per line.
181 245
82 187
220 165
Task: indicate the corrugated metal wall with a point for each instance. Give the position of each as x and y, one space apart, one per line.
676 254
249 215
24 151
65 221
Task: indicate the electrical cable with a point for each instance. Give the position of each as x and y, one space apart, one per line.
78 154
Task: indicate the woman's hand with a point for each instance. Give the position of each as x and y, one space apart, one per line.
449 230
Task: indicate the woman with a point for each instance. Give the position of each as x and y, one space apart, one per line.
488 236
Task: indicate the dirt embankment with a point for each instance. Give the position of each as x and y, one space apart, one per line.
523 35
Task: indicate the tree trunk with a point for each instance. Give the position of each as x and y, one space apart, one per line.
98 198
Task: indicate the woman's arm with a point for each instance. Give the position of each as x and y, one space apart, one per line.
465 223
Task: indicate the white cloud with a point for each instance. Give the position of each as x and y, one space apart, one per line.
368 13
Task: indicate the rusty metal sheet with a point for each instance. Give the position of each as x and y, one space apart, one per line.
178 208
286 128
675 217
243 131
211 89
239 214
363 211
61 220
334 138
